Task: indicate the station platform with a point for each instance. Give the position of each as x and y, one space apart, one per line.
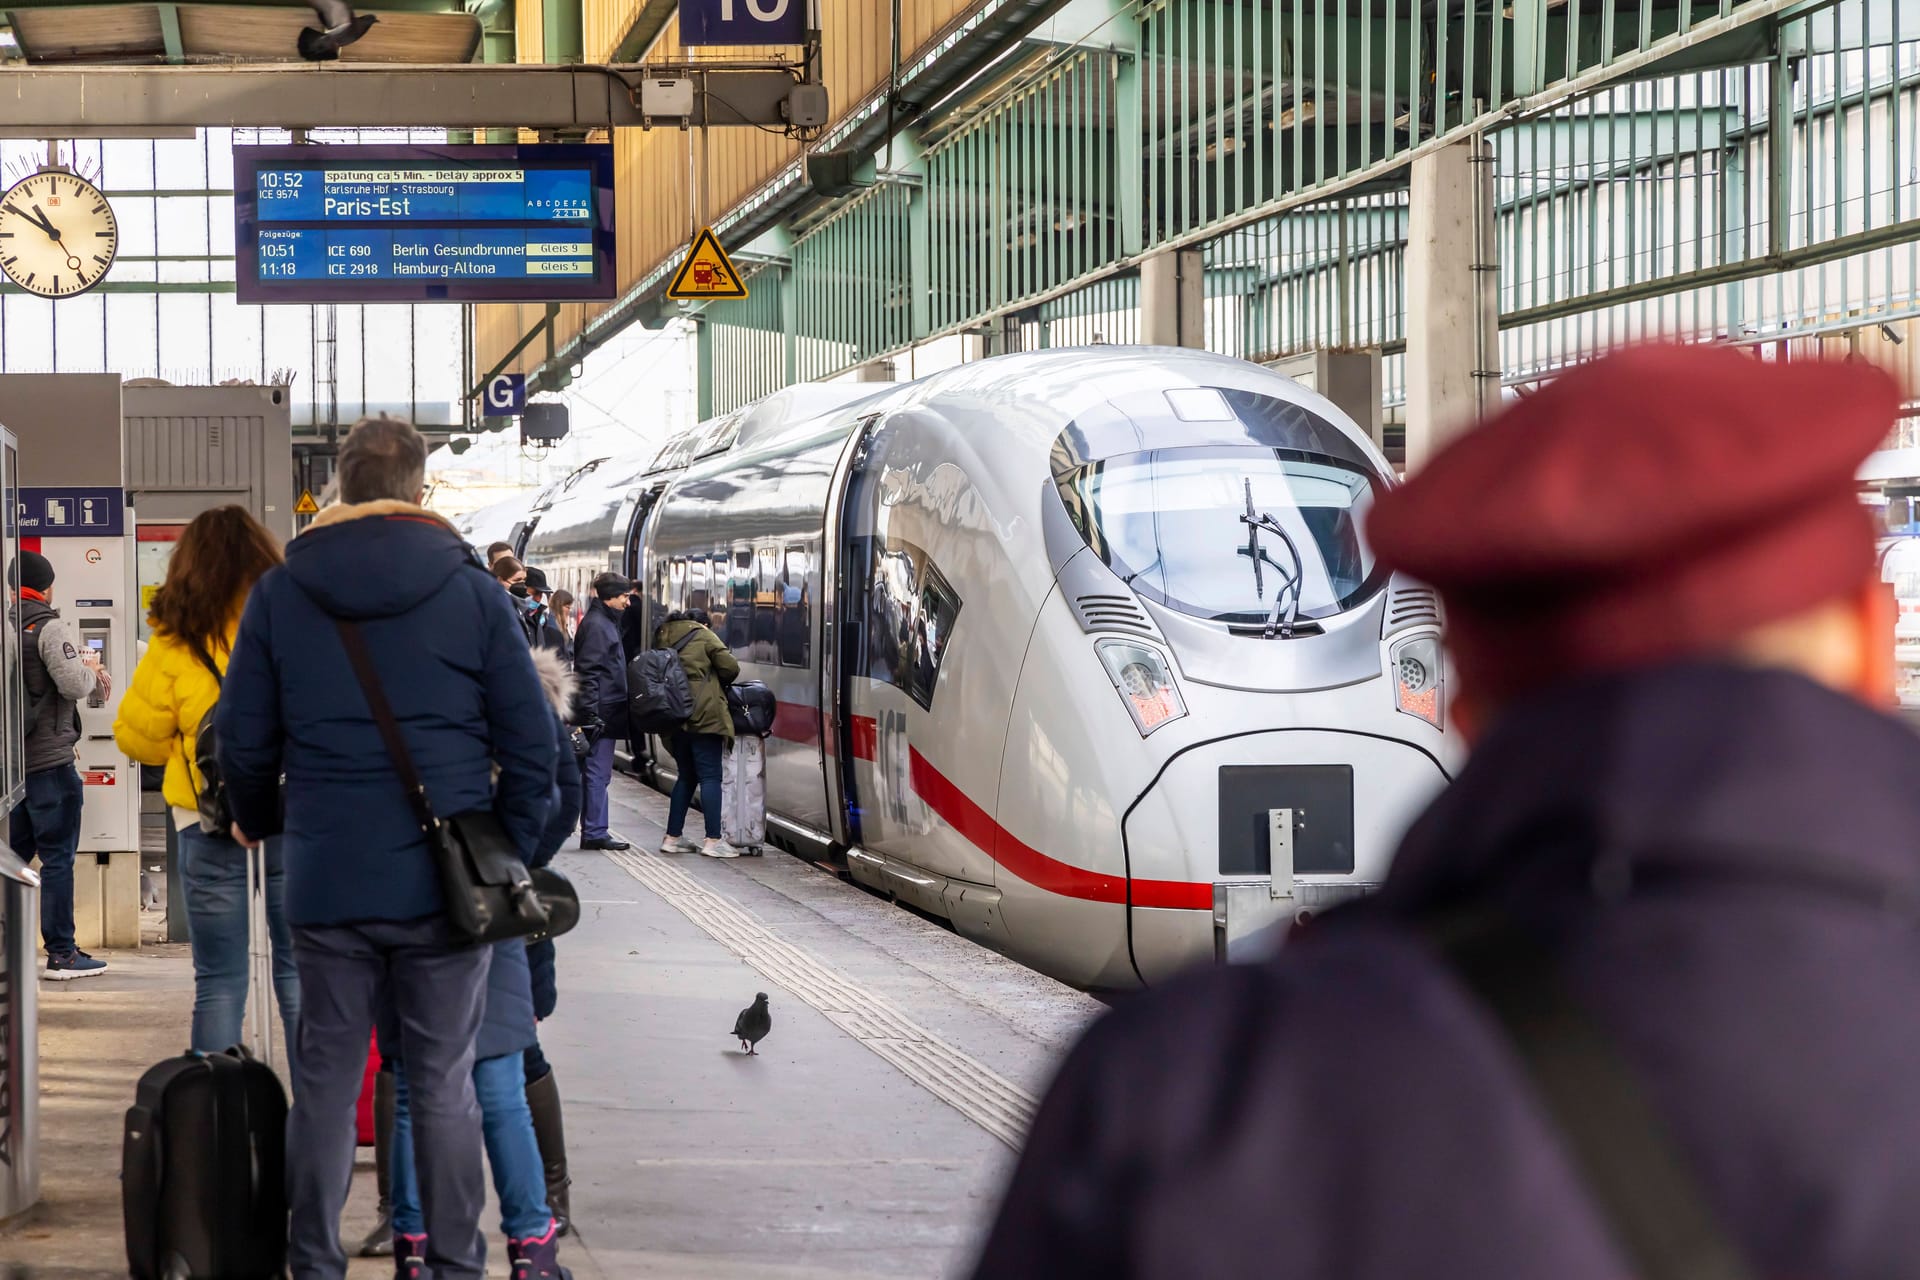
868 1138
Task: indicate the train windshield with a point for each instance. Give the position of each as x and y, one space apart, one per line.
1172 523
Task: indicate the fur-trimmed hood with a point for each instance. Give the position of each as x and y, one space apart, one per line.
369 560
341 512
556 680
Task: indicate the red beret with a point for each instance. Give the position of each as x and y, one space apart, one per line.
1653 504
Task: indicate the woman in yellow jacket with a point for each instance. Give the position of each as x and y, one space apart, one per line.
194 616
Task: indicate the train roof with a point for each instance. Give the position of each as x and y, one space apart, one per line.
1107 400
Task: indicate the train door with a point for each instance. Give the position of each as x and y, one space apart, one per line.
632 564
844 582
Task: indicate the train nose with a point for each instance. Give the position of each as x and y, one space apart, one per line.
1265 827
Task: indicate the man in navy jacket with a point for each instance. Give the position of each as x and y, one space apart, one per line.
363 892
600 664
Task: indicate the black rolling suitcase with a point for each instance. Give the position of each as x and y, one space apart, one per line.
202 1171
203 1161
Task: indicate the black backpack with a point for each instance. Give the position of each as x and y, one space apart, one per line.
659 695
216 815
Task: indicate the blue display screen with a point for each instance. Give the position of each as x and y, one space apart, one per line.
477 193
456 223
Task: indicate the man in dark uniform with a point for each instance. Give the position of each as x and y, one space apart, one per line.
1685 796
600 665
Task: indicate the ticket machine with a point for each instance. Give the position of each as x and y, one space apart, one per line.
84 532
72 509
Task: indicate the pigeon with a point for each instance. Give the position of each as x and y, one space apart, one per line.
751 1027
338 28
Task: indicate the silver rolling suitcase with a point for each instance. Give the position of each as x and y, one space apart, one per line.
260 1017
743 792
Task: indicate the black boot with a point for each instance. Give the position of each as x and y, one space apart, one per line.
543 1100
379 1241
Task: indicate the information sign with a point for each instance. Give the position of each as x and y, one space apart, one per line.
72 512
704 22
506 396
455 223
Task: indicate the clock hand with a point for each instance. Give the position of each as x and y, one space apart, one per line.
46 226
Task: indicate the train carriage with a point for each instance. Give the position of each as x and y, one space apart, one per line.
1081 651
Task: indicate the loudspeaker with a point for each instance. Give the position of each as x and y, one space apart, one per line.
544 422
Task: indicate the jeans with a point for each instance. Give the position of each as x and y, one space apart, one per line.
47 825
519 1178
596 770
213 873
697 756
433 986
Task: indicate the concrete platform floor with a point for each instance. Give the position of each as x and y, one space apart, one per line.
868 1138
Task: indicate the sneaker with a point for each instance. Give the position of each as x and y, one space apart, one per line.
74 964
538 1259
610 843
717 848
679 844
409 1257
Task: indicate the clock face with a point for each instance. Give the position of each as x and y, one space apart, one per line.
57 234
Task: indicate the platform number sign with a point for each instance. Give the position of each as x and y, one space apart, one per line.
705 22
506 395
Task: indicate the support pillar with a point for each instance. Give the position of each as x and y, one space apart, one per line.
1453 336
562 32
1173 299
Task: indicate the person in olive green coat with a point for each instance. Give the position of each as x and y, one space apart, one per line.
697 749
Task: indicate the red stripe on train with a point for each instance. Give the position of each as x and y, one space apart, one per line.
954 807
793 722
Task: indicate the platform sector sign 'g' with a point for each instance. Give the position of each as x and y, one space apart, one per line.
706 22
515 223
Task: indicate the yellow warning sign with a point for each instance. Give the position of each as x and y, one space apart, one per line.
707 272
306 506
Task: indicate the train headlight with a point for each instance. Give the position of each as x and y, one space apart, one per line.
1417 677
1140 673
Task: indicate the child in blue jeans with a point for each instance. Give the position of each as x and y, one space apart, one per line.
519 1179
507 1034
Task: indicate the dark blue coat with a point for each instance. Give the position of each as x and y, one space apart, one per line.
599 663
454 663
561 821
1751 943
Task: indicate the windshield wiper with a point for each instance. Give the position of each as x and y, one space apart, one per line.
1287 597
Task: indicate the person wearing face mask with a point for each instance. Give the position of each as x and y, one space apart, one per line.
543 632
600 664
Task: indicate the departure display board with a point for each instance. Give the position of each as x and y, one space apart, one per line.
521 223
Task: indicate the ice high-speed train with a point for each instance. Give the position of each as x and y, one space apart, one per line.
1082 651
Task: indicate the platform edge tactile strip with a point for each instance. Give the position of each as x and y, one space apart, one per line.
988 1099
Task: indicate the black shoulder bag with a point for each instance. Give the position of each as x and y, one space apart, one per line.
1619 1146
490 893
216 815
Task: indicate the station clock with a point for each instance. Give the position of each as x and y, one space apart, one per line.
58 235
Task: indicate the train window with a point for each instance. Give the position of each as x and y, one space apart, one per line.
763 644
717 593
796 610
677 584
1173 524
739 632
697 597
908 620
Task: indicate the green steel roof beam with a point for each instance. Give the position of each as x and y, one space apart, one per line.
562 32
170 32
648 23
